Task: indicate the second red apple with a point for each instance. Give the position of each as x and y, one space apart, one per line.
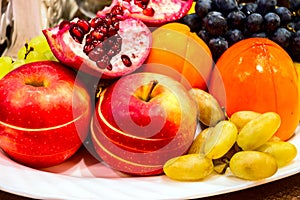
140 119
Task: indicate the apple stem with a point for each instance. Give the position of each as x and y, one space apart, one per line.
153 84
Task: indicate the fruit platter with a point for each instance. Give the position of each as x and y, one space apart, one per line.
143 96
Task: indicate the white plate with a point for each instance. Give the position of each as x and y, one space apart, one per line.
83 177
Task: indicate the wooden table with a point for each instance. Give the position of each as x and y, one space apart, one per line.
285 189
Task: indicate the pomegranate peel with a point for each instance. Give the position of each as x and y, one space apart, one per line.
152 12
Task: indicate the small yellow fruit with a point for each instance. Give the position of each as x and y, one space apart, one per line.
5 65
258 131
198 144
209 110
190 167
283 152
220 140
253 165
241 118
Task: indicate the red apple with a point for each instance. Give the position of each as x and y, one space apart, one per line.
141 121
138 153
121 164
45 113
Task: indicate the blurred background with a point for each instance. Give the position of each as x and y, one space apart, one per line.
21 20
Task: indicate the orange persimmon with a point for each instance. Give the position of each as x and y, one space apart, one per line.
257 74
181 54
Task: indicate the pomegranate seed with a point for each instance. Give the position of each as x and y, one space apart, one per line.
100 49
89 39
110 42
96 43
94 55
114 19
148 12
95 22
116 25
97 35
63 24
107 19
111 53
88 48
126 60
84 25
109 67
112 31
119 40
117 10
103 29
76 33
141 3
116 47
103 62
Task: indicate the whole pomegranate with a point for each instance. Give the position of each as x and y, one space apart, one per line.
152 12
110 45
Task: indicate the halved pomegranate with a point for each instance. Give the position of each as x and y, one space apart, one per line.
152 12
109 46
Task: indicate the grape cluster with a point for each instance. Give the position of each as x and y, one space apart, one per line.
222 23
37 49
243 145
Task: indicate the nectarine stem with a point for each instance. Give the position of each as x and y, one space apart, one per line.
153 84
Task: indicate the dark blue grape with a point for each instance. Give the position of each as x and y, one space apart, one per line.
217 46
265 6
225 6
204 35
284 13
193 21
282 36
248 8
259 35
272 21
254 23
291 26
294 5
295 47
215 23
233 36
297 25
296 41
236 19
202 7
